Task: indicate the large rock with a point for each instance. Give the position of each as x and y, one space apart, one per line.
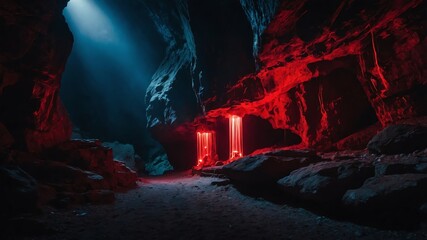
401 138
63 177
326 182
87 155
123 152
159 165
18 191
389 193
326 91
267 168
33 55
400 164
125 177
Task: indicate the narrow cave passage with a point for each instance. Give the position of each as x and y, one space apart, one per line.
180 206
115 53
331 143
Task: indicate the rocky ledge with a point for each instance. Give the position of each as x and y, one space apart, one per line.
72 172
365 185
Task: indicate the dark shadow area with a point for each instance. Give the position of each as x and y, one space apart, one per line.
389 219
257 134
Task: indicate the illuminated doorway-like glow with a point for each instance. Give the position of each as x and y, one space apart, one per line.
236 137
206 149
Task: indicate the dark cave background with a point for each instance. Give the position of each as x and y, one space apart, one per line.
194 58
340 88
105 80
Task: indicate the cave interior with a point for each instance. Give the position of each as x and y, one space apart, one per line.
322 106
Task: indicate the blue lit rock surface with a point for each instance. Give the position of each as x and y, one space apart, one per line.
327 182
269 167
401 138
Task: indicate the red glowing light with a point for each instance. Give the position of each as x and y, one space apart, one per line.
236 137
206 149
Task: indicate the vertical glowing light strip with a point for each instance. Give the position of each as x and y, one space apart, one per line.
236 137
206 149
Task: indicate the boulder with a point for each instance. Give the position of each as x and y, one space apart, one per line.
358 140
400 164
63 177
126 178
326 182
18 191
389 193
269 167
85 154
123 152
400 138
159 165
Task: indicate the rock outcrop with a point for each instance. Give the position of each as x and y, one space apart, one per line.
75 172
332 73
402 138
328 71
32 58
267 168
326 182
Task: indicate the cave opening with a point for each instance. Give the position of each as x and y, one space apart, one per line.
115 53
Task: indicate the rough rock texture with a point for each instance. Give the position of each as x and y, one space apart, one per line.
259 14
125 177
64 177
324 71
92 156
358 140
326 182
123 152
34 47
75 172
39 164
158 166
400 138
266 169
317 60
18 191
176 75
400 164
389 193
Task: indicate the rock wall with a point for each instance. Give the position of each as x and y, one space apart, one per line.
330 70
34 47
176 74
326 72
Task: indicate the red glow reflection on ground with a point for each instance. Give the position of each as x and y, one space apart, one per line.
236 137
206 149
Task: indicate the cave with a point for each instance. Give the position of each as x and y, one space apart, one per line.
214 119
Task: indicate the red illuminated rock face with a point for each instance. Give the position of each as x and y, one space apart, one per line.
333 74
34 46
330 70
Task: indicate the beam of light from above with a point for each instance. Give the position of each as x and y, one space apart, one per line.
90 20
108 71
101 34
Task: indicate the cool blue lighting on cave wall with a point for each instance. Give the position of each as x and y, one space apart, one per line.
111 64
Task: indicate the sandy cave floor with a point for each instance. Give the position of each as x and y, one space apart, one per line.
182 206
